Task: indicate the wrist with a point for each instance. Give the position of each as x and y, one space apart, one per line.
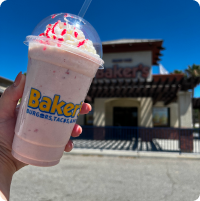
6 173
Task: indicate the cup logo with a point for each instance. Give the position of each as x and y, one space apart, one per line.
53 107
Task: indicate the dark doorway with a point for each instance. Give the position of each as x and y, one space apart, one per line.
125 116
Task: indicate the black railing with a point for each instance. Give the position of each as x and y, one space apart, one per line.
139 139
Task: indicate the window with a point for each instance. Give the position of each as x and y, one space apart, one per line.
161 117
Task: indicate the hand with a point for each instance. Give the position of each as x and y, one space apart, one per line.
8 115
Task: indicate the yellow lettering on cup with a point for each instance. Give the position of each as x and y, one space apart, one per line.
34 98
45 104
76 108
67 109
80 108
57 106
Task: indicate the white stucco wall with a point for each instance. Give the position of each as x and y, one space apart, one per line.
103 110
174 115
141 57
99 112
185 109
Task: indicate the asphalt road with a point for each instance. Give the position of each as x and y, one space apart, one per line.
94 178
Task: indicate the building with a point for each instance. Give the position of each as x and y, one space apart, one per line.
126 93
4 83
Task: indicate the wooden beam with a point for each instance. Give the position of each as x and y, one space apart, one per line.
156 88
171 99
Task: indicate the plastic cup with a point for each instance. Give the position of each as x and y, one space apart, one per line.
58 79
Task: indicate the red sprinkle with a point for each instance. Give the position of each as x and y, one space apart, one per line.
81 43
36 130
41 41
42 34
65 23
50 25
60 39
65 15
72 17
47 42
44 48
53 16
54 37
67 72
75 34
59 45
64 32
54 27
54 71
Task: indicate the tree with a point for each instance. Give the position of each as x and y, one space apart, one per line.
193 71
177 72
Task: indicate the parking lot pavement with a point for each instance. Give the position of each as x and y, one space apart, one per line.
95 178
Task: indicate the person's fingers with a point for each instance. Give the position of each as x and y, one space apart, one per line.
11 95
69 146
85 108
77 130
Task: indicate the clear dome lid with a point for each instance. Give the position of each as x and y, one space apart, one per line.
71 33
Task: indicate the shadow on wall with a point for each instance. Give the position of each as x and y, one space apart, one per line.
146 112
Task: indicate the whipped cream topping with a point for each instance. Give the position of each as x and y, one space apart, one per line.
62 31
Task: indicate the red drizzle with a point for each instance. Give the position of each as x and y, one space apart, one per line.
53 16
65 23
75 34
81 43
42 34
64 32
47 32
54 27
60 39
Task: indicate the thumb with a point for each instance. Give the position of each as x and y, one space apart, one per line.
11 96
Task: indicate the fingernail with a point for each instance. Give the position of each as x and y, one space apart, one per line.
17 79
79 130
89 108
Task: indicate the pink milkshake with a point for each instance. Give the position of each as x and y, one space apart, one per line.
63 60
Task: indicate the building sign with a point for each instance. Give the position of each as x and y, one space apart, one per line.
128 72
160 116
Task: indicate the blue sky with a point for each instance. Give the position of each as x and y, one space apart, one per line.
177 22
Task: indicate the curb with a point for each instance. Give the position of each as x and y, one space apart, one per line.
134 154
